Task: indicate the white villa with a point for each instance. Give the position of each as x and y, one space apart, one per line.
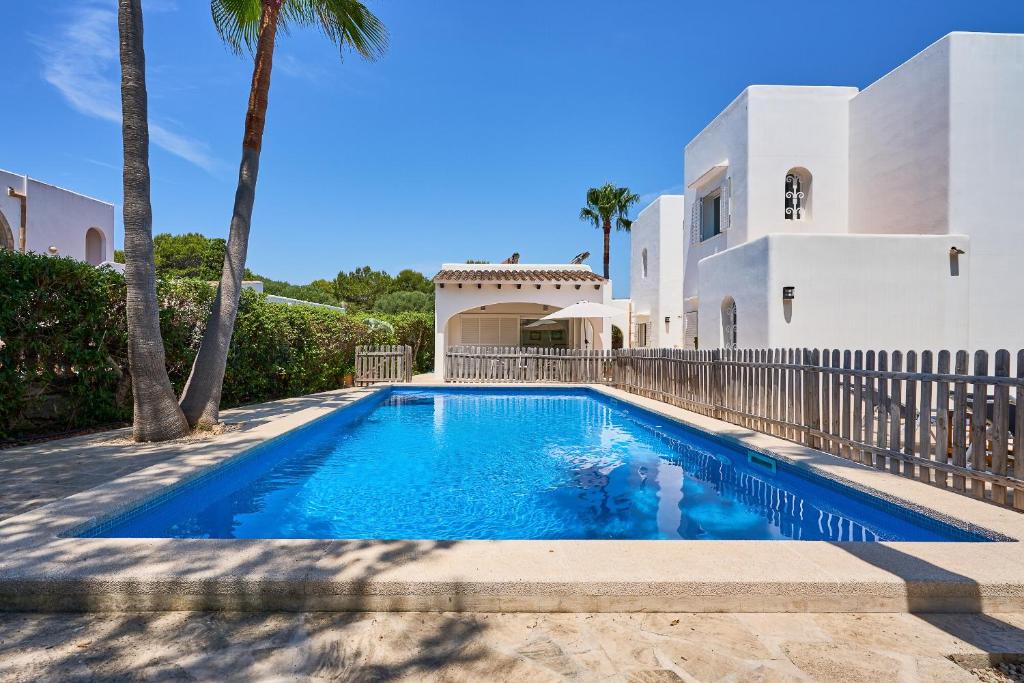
889 217
484 304
46 219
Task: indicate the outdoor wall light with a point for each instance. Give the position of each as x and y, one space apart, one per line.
788 293
53 250
956 251
668 319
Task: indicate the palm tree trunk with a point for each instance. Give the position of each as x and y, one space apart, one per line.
607 244
157 416
201 398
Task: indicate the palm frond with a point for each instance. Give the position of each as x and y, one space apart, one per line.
237 22
588 215
347 23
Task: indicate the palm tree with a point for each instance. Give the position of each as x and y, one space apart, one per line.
605 205
157 416
253 25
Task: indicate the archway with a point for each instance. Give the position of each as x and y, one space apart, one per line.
95 247
6 236
729 323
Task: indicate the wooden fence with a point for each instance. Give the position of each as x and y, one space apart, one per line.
521 364
943 418
383 364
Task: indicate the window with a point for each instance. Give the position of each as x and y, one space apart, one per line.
798 194
643 264
711 215
729 329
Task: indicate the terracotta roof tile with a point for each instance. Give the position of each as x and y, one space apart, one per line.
517 275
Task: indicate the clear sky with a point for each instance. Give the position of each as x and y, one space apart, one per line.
476 136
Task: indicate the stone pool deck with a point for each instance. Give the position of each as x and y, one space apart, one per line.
42 570
637 648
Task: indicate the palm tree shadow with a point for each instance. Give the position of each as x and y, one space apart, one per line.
962 616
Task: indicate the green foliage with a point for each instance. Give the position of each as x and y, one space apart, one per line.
63 361
410 280
608 205
361 287
63 346
188 256
399 302
346 23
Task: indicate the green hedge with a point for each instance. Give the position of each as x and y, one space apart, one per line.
64 365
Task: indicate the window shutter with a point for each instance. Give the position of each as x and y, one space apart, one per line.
726 204
490 332
470 331
695 221
509 334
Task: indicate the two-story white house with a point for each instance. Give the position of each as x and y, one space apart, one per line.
46 219
888 217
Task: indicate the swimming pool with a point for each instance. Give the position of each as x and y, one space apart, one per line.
502 463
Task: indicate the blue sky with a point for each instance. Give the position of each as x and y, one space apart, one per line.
476 136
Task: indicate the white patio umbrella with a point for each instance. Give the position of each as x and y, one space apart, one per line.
581 310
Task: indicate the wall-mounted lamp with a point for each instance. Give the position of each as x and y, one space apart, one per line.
483 308
956 251
53 250
668 319
788 293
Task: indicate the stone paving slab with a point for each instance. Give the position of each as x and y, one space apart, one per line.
500 647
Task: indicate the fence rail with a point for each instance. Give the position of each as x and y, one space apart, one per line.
943 418
376 364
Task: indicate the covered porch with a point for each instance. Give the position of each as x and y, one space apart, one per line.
501 305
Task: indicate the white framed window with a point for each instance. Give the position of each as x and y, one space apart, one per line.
710 215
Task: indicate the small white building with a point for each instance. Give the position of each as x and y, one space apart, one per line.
483 304
889 217
655 278
42 218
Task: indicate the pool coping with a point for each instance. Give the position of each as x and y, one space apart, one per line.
41 570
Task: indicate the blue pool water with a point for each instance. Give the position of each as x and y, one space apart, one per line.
513 464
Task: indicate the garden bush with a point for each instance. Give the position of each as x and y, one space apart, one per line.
63 344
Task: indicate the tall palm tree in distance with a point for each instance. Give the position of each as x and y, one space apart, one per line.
608 205
156 416
253 25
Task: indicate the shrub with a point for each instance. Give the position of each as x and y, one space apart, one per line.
63 355
63 344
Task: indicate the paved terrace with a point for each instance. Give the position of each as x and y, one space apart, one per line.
448 646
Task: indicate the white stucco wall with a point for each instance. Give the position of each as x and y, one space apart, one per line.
797 127
722 143
57 217
899 148
986 194
451 300
659 230
852 292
